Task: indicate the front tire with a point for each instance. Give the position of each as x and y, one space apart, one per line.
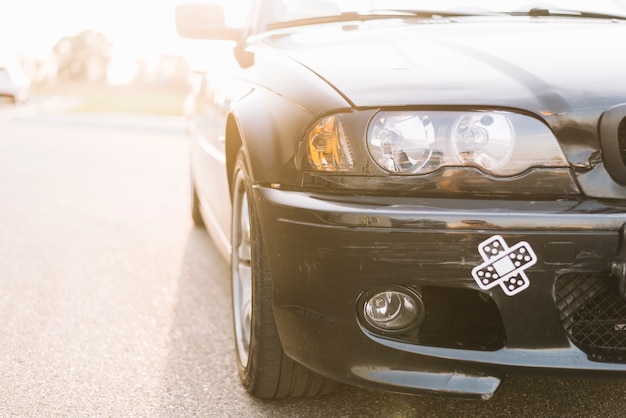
264 369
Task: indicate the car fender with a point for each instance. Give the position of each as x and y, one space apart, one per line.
284 100
268 127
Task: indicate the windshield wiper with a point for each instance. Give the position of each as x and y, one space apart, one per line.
538 11
427 13
376 14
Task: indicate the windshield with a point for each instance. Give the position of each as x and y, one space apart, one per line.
295 10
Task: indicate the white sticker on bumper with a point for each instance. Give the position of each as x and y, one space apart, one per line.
504 266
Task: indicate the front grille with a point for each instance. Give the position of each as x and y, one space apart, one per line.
613 142
593 315
621 139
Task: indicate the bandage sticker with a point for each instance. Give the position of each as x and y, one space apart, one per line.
504 266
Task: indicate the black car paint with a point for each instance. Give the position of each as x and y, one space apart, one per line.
487 80
349 242
346 247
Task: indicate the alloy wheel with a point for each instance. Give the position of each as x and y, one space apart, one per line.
241 270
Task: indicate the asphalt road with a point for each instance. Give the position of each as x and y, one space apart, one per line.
113 304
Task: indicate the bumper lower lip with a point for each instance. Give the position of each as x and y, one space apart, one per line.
568 358
377 363
455 384
346 246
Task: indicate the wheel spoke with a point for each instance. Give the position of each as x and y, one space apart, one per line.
242 272
245 305
243 247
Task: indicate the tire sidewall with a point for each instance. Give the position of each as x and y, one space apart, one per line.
241 183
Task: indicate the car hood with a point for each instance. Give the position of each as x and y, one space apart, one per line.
499 61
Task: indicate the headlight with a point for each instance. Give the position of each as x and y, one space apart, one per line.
485 140
499 143
328 147
402 143
420 142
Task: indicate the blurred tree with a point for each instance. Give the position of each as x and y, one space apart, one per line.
82 57
166 70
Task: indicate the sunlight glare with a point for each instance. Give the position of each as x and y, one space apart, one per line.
138 30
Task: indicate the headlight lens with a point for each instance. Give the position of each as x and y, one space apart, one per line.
485 140
329 149
402 143
499 143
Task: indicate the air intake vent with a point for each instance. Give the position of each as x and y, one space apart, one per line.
593 315
613 141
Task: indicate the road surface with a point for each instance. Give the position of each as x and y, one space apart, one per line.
113 304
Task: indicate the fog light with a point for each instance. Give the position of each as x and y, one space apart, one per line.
394 310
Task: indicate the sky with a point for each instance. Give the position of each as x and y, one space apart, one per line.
34 26
138 29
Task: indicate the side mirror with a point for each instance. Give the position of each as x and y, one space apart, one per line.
204 21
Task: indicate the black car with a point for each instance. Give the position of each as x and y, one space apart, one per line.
415 197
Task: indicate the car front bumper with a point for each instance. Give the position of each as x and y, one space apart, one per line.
326 251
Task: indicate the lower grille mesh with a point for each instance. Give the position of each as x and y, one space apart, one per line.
593 315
